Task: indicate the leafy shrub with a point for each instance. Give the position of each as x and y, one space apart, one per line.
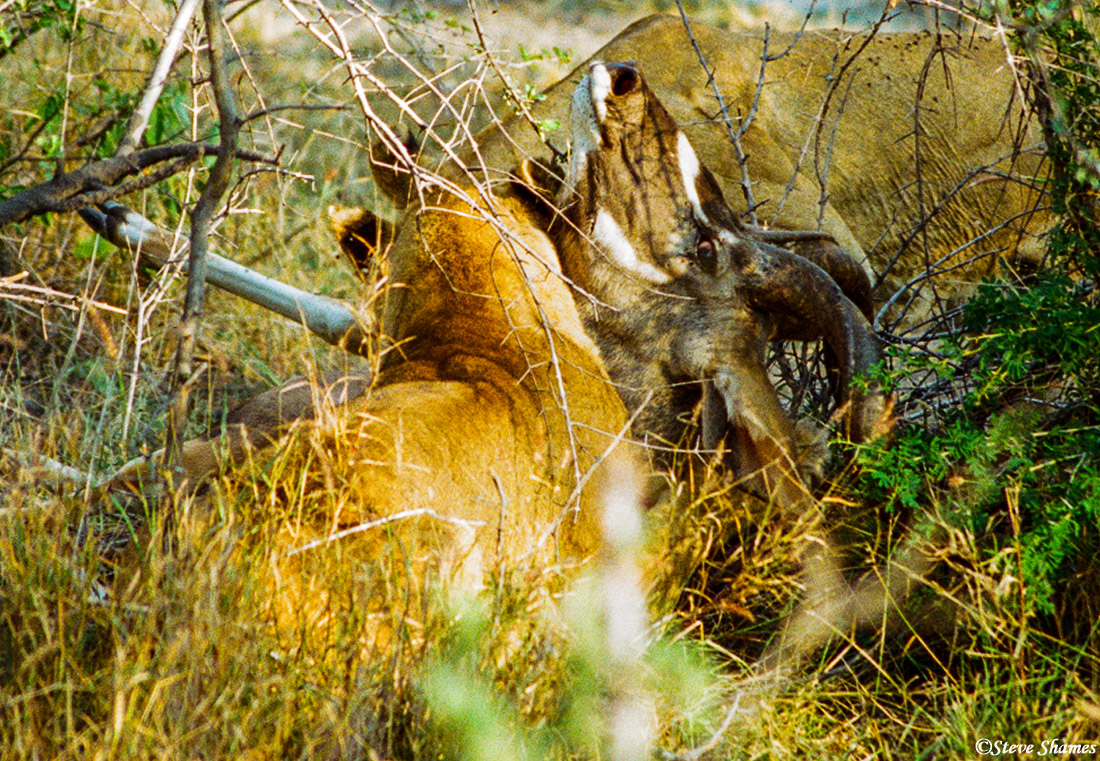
1017 459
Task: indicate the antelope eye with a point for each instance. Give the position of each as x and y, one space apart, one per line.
706 253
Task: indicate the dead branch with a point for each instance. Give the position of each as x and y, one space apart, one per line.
12 289
139 119
420 512
93 183
833 79
201 217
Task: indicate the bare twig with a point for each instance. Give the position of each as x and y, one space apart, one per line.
12 289
139 120
510 92
259 113
734 135
813 137
711 743
623 435
201 217
32 140
934 270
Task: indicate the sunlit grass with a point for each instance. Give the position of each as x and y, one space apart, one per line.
114 646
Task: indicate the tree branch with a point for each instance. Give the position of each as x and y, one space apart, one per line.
64 192
201 217
139 120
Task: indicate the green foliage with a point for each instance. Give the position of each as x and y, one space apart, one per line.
81 123
170 116
495 655
24 18
1018 459
562 55
1051 328
462 686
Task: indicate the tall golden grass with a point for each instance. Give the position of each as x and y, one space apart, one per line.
112 646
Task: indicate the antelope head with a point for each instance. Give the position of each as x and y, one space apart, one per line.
683 299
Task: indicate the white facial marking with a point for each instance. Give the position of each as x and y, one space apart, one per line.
600 88
727 237
584 129
607 232
689 171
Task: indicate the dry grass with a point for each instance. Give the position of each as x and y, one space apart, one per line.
113 647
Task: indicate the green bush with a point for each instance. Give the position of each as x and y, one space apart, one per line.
1017 459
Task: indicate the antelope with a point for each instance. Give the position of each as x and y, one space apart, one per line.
683 312
911 151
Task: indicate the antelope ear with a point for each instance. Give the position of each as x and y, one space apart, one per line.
390 174
759 435
362 235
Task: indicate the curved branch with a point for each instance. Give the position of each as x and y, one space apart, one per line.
63 192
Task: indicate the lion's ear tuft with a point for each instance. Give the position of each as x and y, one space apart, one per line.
363 237
536 183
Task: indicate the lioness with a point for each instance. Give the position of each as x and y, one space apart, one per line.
491 408
905 148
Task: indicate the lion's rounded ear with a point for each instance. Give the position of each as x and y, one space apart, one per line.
390 174
537 183
363 236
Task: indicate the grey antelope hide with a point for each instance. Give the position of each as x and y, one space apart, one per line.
911 150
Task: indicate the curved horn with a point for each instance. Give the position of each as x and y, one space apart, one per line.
809 303
822 250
